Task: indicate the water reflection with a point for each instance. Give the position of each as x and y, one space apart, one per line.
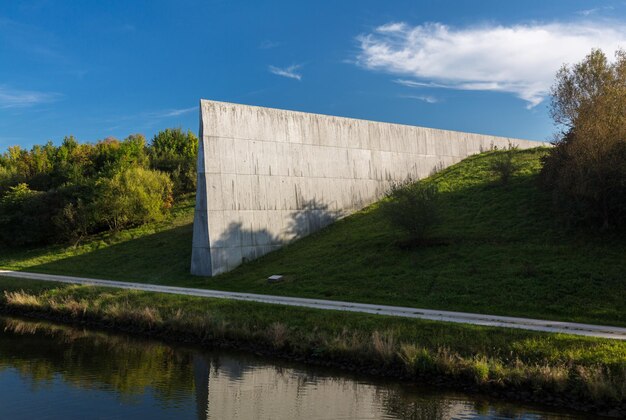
54 371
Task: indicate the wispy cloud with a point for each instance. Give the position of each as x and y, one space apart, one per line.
519 59
595 10
289 72
168 113
424 98
267 44
31 40
15 98
146 119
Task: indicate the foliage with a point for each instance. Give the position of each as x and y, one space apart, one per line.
49 193
502 165
134 196
412 208
175 152
586 170
24 214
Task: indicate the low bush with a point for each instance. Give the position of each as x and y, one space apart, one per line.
134 196
413 209
503 166
25 216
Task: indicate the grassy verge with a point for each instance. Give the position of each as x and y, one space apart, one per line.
503 255
554 368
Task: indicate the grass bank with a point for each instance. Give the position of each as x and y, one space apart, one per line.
584 373
503 254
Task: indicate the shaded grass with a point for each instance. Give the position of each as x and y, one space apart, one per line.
556 365
505 255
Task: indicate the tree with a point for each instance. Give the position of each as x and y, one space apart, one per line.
586 170
175 152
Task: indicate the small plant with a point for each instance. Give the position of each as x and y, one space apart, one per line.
412 208
384 346
503 166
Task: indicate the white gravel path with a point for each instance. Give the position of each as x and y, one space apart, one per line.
430 314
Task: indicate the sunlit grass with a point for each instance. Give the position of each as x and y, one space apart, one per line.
505 254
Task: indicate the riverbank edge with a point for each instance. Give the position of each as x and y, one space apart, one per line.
377 358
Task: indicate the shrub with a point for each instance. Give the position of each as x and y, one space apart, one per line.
25 216
502 165
412 208
586 170
133 196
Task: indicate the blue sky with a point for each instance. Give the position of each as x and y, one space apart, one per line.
111 68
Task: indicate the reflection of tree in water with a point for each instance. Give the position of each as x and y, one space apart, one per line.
407 403
92 360
221 384
400 405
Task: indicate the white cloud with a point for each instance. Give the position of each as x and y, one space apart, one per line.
425 98
289 72
15 98
520 59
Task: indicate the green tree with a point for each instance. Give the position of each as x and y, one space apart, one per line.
175 152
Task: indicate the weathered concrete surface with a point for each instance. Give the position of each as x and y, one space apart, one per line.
590 330
267 176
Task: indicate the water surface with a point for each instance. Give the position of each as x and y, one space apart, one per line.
51 371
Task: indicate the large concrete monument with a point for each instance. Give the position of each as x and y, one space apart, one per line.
268 176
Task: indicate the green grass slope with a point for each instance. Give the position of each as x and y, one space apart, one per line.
504 254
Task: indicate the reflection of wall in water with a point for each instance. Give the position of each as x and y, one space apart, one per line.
235 390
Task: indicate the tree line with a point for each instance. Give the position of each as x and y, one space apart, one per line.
63 193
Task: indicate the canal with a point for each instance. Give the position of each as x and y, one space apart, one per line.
53 371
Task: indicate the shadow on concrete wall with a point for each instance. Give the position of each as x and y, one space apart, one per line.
236 235
313 216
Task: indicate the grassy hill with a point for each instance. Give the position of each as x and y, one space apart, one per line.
501 252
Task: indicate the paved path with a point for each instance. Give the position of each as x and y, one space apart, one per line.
461 317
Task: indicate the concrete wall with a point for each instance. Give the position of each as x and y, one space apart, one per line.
268 176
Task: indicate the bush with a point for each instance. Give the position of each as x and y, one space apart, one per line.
586 170
25 216
132 197
502 165
412 208
75 217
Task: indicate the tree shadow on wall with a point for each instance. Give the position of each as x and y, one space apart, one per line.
313 216
253 243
